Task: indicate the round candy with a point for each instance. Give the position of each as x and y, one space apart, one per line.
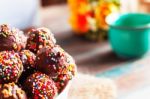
11 38
40 86
58 64
39 38
10 67
11 91
65 74
28 59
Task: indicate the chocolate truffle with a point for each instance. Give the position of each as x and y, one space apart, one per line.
28 59
10 67
58 64
39 38
40 86
66 74
11 91
11 38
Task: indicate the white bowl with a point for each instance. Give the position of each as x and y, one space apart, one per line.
19 13
64 93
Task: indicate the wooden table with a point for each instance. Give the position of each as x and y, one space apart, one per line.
96 57
91 57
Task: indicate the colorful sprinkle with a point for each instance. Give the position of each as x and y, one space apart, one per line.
10 66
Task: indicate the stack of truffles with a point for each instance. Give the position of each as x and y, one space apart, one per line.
32 66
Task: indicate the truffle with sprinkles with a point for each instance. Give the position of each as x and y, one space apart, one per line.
58 64
10 67
66 74
34 63
39 38
28 59
40 86
11 38
11 91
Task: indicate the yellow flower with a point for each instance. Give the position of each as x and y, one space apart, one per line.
102 11
83 8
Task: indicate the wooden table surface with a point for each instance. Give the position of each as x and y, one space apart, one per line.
96 57
91 57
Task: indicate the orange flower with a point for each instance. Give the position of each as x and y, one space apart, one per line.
79 23
80 11
75 5
73 22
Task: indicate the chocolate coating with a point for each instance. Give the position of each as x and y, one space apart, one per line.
40 86
11 91
39 38
11 38
10 67
58 64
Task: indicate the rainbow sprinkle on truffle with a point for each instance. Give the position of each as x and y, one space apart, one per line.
10 66
39 38
40 86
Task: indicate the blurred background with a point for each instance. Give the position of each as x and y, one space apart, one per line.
82 29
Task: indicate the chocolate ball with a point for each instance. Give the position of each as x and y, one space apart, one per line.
10 67
58 64
66 74
39 38
28 59
11 91
40 86
11 38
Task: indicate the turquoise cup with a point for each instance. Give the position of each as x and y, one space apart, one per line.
129 34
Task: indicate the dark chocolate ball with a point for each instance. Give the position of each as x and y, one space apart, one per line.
58 64
11 38
40 86
11 91
10 67
39 38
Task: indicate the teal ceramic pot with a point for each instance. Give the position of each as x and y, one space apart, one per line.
129 34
